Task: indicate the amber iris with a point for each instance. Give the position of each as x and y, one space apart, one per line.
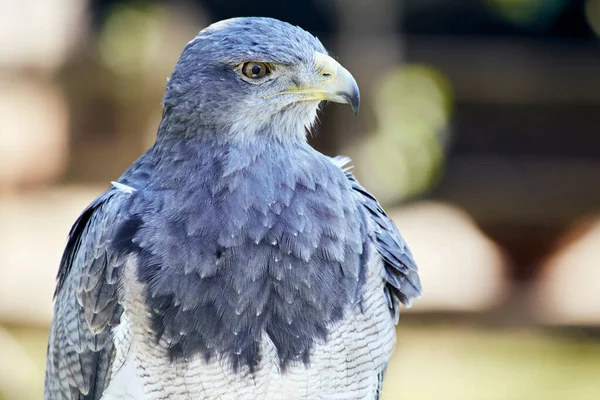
255 70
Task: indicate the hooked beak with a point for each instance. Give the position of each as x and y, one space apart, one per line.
340 87
332 82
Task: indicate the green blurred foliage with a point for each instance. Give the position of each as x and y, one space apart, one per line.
535 14
129 42
592 14
412 106
452 363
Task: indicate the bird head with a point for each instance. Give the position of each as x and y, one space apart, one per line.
247 76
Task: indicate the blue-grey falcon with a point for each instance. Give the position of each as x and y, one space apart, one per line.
233 261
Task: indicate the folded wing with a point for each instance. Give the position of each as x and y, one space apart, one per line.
80 348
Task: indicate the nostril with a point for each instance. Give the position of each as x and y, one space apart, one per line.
326 74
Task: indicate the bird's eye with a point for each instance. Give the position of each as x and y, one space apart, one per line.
255 70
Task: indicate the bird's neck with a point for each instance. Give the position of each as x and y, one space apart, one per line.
196 160
288 127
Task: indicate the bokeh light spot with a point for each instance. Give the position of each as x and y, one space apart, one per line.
131 38
592 15
412 106
535 14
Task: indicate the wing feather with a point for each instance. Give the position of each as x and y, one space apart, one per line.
400 270
80 348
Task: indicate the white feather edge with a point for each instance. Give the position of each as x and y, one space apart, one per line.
342 162
123 188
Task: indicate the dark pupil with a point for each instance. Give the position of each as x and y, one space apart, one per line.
255 69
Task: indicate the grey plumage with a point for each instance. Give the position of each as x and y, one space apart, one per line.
80 346
238 246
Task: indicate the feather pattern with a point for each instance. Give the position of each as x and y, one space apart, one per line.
80 348
232 260
400 270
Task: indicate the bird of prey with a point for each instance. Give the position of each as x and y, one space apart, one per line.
232 260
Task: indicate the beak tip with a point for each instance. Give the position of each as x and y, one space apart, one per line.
355 106
342 87
353 97
354 100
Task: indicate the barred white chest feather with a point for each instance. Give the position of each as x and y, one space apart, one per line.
346 366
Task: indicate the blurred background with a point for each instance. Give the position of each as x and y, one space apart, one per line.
479 132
